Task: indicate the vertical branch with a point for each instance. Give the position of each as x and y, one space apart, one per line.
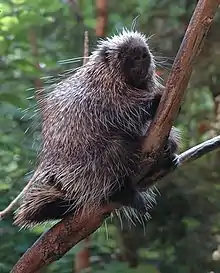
102 17
38 83
86 47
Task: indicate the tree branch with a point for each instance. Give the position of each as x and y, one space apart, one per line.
177 82
53 244
180 73
199 150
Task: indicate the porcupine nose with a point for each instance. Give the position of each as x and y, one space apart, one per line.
140 55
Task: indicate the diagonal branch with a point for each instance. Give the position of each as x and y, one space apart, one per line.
181 71
177 82
53 244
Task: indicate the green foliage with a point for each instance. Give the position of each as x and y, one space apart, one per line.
179 237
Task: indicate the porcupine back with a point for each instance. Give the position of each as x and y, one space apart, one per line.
91 132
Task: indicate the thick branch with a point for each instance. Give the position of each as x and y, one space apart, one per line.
179 77
54 243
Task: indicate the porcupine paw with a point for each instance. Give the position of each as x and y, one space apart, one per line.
128 196
139 203
154 105
170 159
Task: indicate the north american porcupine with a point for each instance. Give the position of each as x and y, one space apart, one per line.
92 128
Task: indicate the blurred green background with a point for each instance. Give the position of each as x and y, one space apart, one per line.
183 231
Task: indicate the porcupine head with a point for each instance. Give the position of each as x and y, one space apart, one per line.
91 128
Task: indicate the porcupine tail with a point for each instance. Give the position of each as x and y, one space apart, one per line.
44 201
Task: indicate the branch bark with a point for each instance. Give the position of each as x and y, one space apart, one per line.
53 244
180 73
177 82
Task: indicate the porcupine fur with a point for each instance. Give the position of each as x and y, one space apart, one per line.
92 128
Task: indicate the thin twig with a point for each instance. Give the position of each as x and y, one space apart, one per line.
76 11
86 47
199 150
14 202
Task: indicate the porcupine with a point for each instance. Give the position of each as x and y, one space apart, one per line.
93 124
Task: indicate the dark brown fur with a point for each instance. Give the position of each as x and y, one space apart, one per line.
92 129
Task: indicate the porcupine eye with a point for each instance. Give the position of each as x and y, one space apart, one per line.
141 54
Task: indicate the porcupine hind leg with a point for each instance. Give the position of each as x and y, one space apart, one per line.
128 195
169 156
43 202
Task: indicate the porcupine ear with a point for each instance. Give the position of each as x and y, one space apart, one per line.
104 53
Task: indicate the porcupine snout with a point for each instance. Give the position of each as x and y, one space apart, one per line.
136 62
42 202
